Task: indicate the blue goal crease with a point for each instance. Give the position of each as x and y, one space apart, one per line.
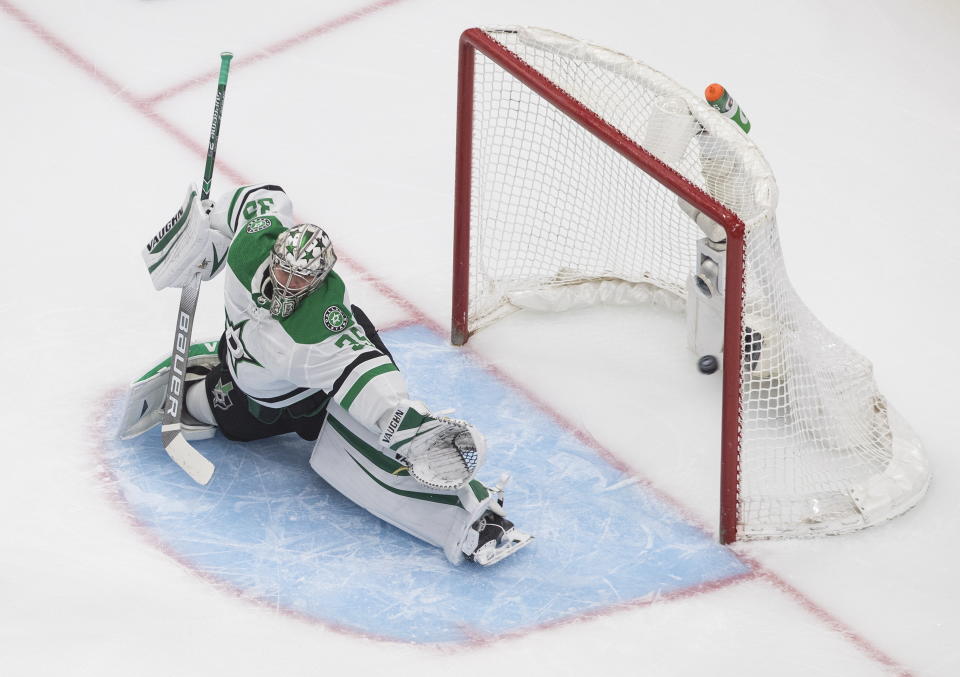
268 525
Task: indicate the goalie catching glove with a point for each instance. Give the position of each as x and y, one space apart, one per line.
439 452
186 245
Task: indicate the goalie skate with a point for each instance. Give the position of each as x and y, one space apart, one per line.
494 537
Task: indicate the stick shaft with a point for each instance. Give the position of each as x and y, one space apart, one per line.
225 58
188 458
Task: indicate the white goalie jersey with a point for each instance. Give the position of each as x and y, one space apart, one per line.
278 362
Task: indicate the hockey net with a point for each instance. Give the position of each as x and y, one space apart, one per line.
570 172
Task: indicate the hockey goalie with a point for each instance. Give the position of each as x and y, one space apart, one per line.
297 357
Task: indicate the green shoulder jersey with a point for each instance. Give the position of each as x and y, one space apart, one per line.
319 347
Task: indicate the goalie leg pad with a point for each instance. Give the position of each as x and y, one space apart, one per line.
349 457
148 394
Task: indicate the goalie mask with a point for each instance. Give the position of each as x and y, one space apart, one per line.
301 260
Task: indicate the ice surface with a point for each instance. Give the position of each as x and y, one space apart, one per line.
270 528
104 122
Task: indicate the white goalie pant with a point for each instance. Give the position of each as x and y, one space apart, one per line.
349 458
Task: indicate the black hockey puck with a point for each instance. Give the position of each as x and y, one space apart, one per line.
707 364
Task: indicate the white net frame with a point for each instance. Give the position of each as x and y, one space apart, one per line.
546 206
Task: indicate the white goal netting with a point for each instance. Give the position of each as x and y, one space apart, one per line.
554 210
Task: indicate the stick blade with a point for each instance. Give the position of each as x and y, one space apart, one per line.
183 454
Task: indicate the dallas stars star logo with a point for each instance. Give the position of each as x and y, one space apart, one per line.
237 351
221 395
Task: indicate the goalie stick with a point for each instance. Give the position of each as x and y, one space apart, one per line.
182 452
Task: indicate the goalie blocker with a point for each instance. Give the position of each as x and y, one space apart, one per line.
187 244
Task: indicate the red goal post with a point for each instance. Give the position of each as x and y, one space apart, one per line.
537 77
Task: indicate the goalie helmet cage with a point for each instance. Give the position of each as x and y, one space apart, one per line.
565 178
